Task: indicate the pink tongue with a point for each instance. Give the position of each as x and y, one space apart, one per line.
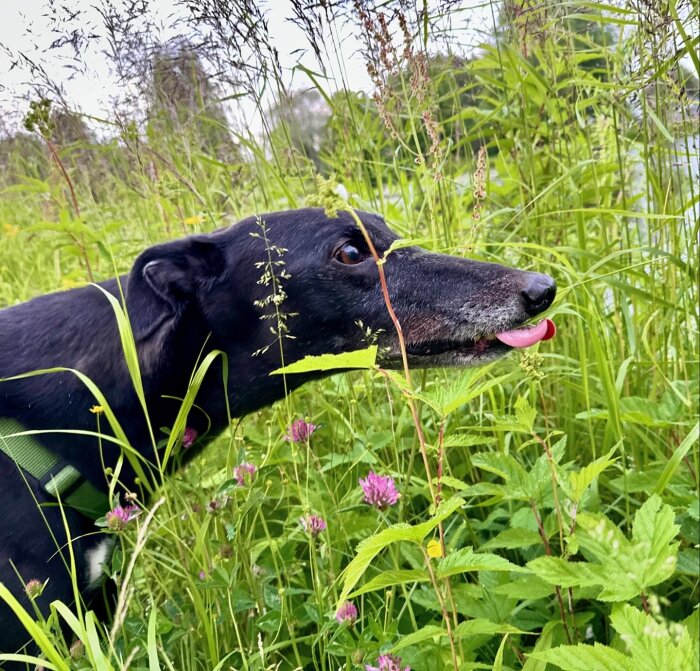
528 335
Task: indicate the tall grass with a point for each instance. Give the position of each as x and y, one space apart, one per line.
568 476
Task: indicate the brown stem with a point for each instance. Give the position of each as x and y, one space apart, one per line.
435 496
402 346
548 552
80 242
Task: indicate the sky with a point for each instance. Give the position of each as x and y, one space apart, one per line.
25 26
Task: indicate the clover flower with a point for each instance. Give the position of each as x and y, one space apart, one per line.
388 663
313 524
380 490
119 517
244 473
346 613
299 431
189 437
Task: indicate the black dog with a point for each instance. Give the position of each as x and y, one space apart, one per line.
190 296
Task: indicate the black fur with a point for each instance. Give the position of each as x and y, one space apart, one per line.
201 293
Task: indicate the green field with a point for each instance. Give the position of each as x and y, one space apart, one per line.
568 474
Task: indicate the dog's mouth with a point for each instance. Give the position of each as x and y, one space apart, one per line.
461 352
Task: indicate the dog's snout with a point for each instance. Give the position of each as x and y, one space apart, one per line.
538 294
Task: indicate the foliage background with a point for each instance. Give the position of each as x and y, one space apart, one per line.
567 143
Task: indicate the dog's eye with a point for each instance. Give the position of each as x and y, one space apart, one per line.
350 255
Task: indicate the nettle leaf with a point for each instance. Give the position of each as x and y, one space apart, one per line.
559 571
445 399
581 481
651 646
623 568
369 548
525 414
361 358
466 559
520 485
650 642
585 658
504 466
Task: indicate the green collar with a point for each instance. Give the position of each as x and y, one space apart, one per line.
57 478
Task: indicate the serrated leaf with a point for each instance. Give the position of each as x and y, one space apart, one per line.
654 524
650 642
454 483
528 587
586 658
464 439
559 571
390 579
525 414
465 560
445 399
514 538
579 482
370 547
483 627
361 358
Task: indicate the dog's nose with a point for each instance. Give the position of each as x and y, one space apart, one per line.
538 294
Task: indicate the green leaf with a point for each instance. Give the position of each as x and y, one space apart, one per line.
526 587
391 578
586 658
446 399
650 642
423 634
483 627
466 559
579 482
525 414
559 571
514 538
369 548
676 458
361 358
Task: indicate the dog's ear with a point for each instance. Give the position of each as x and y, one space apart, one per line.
167 278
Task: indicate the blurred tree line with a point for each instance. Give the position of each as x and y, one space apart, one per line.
445 104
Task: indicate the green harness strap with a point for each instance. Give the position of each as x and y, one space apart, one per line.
57 478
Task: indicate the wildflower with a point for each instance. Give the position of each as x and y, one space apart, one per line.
192 221
243 472
189 437
10 230
202 575
434 549
97 410
313 524
380 490
300 431
388 663
346 613
119 517
531 363
34 588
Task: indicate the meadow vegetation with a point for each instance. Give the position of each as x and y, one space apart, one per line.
539 513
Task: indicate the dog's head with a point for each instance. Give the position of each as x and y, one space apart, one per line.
313 281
